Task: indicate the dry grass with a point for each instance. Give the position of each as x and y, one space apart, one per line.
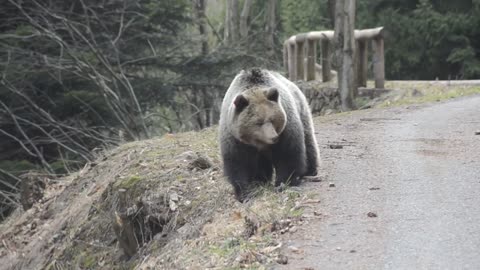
203 227
418 92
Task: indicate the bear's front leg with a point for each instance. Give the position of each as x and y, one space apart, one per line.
290 160
264 169
240 167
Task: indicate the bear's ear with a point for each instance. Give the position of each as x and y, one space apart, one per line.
240 102
272 94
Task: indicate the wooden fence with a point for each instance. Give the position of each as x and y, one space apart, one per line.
300 54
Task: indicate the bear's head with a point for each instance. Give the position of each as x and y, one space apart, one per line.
259 118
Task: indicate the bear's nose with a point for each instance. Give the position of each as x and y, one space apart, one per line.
275 139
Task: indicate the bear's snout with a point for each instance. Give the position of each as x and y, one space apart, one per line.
275 139
270 134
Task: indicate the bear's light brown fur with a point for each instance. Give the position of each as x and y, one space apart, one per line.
265 123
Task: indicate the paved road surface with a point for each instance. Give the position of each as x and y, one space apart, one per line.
418 169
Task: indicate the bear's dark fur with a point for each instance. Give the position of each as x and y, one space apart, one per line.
266 123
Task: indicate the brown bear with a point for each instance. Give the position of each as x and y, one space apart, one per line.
266 123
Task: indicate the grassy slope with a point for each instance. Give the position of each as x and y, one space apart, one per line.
422 92
206 227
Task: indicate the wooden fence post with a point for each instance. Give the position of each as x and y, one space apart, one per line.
378 63
311 57
292 67
362 64
326 61
300 59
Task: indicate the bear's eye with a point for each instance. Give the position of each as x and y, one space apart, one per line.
259 123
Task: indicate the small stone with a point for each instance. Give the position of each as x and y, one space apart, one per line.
316 213
374 188
338 248
477 132
353 251
335 146
294 249
331 184
173 206
174 197
57 236
293 229
282 259
371 214
416 93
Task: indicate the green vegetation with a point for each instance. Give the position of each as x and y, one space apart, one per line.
430 93
129 182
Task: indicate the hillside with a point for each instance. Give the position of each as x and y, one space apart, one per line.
183 213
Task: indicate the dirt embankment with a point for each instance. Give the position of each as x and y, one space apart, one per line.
154 204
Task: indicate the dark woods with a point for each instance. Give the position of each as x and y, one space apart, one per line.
83 75
79 76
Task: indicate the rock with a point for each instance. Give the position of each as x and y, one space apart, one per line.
335 146
32 187
282 259
371 214
322 98
295 249
477 132
174 196
195 160
328 112
245 258
281 225
416 93
173 205
331 184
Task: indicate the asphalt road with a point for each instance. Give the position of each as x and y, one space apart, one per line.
417 169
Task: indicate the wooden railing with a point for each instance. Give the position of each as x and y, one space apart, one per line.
300 54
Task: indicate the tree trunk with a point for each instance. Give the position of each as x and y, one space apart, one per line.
199 8
244 18
331 12
271 26
326 61
231 33
345 50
